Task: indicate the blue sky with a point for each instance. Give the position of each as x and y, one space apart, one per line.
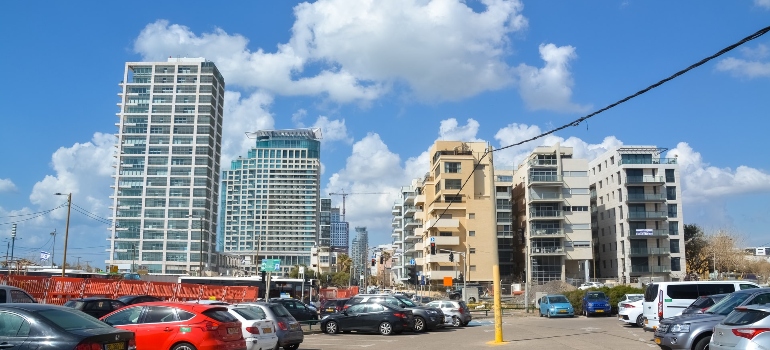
384 80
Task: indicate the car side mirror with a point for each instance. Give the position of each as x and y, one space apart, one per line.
345 312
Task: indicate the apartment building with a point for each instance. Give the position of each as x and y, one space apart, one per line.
271 199
359 253
169 141
459 216
637 215
508 246
552 197
340 232
407 231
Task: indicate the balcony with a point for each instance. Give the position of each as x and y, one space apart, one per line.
545 196
645 197
396 211
409 210
650 269
649 251
551 250
408 222
648 234
647 215
439 275
545 214
646 179
410 248
445 240
547 232
437 258
543 162
647 161
410 196
444 223
546 180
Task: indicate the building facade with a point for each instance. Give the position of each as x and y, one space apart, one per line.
169 141
271 199
507 244
551 195
340 232
407 231
637 215
359 254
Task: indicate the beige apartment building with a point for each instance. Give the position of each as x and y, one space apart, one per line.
551 207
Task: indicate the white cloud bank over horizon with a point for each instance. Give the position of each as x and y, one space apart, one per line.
6 185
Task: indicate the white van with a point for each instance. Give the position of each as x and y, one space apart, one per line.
668 299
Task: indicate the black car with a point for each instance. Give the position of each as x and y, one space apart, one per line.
296 308
701 304
333 306
49 326
136 299
425 318
369 317
96 307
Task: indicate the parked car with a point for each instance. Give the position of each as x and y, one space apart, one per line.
555 305
96 307
455 312
425 318
296 308
137 299
668 299
11 294
596 303
332 306
747 327
632 312
289 331
693 331
179 326
258 331
702 304
629 298
589 285
32 326
370 316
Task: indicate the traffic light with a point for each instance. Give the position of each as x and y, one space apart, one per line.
264 276
382 260
412 275
433 249
374 262
451 257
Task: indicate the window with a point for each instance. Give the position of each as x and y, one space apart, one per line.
675 246
673 228
471 215
581 244
672 210
670 175
18 296
472 233
473 268
603 246
12 325
472 250
452 184
451 167
671 193
682 291
71 319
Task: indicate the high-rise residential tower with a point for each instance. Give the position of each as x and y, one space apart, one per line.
271 199
165 199
359 253
636 204
340 232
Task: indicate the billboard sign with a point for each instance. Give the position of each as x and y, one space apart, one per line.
644 232
761 251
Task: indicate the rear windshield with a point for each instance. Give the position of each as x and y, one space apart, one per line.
341 302
596 295
75 304
279 310
71 319
250 313
220 315
726 305
702 302
742 317
558 299
651 293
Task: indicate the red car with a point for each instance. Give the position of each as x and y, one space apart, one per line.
179 326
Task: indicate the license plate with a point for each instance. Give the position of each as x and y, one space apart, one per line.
295 326
598 311
232 330
657 341
562 311
267 330
115 346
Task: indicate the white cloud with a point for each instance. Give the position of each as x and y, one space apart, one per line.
6 185
450 130
333 130
550 87
297 118
242 115
762 3
759 52
702 182
741 68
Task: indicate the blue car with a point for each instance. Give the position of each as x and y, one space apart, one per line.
596 303
556 305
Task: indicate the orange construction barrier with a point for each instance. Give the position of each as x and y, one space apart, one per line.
209 292
163 290
100 288
188 291
131 288
34 285
61 289
235 294
251 294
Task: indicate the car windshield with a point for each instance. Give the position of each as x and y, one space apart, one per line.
250 313
406 301
596 295
558 299
75 304
71 319
279 310
635 297
726 305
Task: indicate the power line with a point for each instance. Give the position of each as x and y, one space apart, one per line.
91 215
39 214
577 122
20 215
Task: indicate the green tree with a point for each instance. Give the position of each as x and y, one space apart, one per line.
696 246
341 279
344 262
309 273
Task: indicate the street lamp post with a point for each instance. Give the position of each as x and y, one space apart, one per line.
53 234
66 231
13 242
133 256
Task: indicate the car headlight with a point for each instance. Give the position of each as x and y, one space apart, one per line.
553 307
679 328
432 312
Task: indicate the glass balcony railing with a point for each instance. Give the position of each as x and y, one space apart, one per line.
645 179
649 234
545 213
545 196
545 178
543 162
650 251
648 161
650 269
647 215
548 250
546 231
645 197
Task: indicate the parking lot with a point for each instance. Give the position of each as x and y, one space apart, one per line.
519 332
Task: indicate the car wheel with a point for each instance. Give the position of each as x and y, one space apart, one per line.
640 321
386 328
331 327
419 324
183 346
456 321
466 323
471 300
547 314
702 344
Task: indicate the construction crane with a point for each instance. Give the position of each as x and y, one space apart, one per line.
346 194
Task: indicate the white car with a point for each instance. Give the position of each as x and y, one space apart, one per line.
258 331
632 312
628 298
589 285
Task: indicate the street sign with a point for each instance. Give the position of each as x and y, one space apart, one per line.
412 262
422 280
301 270
447 281
433 239
271 265
113 268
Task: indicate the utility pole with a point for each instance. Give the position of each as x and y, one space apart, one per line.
66 231
54 247
13 240
78 263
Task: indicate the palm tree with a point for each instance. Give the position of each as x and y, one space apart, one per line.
344 262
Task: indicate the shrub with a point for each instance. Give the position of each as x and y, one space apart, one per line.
615 294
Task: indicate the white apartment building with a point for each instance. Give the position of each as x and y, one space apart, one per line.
169 140
637 215
407 231
271 199
551 200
